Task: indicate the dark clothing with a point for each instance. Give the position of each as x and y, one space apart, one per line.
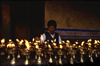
48 37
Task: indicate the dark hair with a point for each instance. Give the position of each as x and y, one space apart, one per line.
52 23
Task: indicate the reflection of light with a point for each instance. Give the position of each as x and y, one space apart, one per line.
3 40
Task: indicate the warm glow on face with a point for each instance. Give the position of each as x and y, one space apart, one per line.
3 40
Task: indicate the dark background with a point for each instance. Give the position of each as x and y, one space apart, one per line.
26 13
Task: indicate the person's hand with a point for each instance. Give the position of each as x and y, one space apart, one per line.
37 38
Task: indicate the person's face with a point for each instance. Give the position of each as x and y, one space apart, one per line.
51 29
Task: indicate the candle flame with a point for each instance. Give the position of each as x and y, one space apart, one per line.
54 44
36 46
27 44
10 40
89 40
49 46
63 41
76 42
54 40
67 41
41 37
33 39
82 43
17 40
61 46
3 40
10 45
95 41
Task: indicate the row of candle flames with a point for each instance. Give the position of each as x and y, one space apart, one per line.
61 46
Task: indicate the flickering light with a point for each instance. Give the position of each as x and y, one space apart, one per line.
3 40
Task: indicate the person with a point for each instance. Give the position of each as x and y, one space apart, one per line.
51 34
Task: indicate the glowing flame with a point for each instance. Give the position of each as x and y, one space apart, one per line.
61 46
33 39
3 40
54 40
49 46
89 44
17 40
74 45
45 42
10 40
95 41
59 42
41 37
76 42
42 54
79 46
27 44
89 40
63 41
36 46
54 44
37 41
82 43
10 45
67 41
